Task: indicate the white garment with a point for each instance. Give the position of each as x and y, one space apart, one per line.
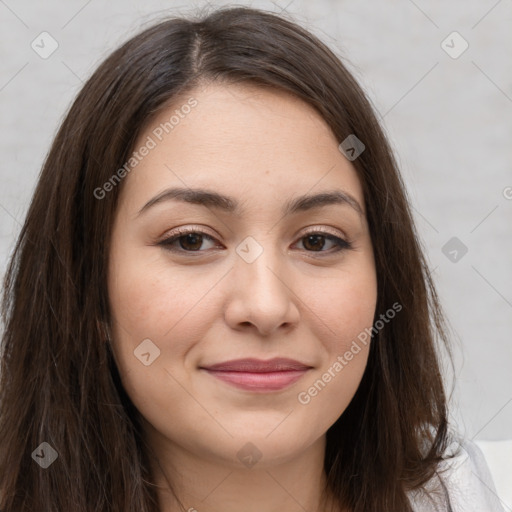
464 484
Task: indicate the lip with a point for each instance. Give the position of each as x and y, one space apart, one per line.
252 365
259 375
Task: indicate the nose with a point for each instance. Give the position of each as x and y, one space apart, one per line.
262 295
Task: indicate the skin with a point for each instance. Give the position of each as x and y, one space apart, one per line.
202 307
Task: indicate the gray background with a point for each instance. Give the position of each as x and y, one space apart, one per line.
448 119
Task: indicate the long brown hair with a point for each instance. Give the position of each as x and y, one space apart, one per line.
59 383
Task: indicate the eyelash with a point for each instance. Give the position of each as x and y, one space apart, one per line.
166 243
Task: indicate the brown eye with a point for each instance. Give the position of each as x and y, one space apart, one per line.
315 242
189 241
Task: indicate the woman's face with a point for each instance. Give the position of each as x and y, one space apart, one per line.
267 273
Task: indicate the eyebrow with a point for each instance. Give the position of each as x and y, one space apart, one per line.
211 199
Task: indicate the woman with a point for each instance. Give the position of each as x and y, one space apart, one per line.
218 300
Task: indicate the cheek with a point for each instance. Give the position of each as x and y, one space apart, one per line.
346 308
150 298
324 398
151 301
346 304
350 312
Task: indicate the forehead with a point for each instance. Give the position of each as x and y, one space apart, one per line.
244 140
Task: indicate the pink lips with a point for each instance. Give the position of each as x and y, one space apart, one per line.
259 375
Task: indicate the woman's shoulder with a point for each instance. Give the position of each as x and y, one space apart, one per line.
463 482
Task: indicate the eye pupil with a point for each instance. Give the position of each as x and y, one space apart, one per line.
315 241
194 238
